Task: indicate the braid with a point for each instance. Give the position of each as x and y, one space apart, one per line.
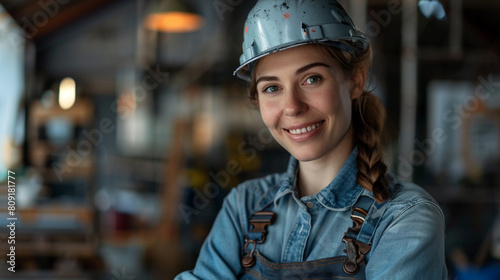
368 121
368 117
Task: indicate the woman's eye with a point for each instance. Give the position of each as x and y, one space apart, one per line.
312 79
271 89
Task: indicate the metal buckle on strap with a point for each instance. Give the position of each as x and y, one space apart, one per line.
248 259
259 222
356 252
358 215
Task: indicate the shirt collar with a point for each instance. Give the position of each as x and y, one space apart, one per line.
340 194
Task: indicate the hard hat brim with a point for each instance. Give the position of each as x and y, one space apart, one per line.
244 71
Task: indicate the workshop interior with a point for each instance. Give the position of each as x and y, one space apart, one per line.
123 128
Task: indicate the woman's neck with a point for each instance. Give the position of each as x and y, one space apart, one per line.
315 175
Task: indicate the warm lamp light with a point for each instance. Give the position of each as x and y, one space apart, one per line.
174 17
67 93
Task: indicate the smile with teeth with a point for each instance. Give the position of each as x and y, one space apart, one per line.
305 129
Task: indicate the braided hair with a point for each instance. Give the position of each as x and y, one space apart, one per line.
368 118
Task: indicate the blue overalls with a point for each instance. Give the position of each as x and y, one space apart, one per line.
366 214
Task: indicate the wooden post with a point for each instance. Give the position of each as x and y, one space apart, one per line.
408 83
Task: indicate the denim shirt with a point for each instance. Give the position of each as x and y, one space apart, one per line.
408 242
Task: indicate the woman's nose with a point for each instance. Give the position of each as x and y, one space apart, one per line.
294 105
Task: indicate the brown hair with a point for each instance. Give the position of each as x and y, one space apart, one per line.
368 118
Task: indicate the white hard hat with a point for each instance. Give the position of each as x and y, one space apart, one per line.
274 25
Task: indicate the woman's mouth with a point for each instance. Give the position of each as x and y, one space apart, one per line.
305 129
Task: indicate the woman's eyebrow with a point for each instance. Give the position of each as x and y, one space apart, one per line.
266 78
309 66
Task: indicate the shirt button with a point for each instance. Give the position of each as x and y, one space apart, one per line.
310 204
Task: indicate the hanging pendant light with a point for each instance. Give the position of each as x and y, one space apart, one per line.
174 16
67 93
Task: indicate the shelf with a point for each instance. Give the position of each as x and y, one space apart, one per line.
80 113
60 249
82 212
122 238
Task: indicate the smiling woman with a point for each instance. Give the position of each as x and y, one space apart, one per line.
336 212
306 93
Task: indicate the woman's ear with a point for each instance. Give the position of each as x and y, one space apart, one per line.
255 103
358 83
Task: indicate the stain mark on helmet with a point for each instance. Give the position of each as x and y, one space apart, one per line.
266 14
287 15
285 5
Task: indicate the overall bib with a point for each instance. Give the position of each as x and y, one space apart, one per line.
366 214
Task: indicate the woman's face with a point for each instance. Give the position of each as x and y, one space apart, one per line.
305 101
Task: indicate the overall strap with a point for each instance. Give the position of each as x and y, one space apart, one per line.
257 230
258 223
366 215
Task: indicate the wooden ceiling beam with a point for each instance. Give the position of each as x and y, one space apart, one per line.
39 21
72 14
26 8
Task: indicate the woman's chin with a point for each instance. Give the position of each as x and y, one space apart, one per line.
305 156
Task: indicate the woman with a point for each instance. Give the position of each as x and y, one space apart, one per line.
335 212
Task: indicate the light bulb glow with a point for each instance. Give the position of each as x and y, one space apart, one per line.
67 93
175 22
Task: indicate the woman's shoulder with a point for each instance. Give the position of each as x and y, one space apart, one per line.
411 200
411 231
405 192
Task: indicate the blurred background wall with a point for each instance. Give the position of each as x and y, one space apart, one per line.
122 134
